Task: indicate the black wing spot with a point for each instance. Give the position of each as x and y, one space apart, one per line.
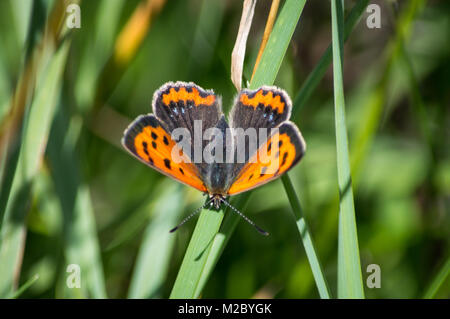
285 155
154 145
181 170
154 136
269 147
280 143
151 160
167 163
166 141
250 177
144 145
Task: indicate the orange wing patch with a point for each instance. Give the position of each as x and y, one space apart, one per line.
182 94
147 140
267 99
279 154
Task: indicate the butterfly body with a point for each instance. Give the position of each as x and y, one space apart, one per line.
238 161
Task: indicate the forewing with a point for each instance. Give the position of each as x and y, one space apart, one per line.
148 140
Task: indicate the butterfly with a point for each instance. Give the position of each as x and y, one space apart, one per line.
250 162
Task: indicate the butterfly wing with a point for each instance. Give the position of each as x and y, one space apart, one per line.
263 108
180 104
278 154
187 105
149 141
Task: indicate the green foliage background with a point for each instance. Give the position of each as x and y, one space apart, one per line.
88 202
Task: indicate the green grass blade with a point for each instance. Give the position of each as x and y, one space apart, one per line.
321 67
154 255
194 260
438 280
308 244
278 43
24 287
350 283
81 244
221 239
36 130
20 99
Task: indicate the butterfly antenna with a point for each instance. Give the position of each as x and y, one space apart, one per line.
248 220
195 212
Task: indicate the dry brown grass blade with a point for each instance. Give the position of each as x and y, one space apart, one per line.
132 35
238 54
267 30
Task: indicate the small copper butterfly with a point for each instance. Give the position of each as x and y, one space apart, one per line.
181 105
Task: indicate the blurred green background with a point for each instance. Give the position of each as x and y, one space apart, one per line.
67 95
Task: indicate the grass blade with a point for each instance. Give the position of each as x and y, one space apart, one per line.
25 286
80 236
36 129
278 43
438 280
349 268
238 54
194 260
220 240
15 106
308 244
321 67
267 31
156 249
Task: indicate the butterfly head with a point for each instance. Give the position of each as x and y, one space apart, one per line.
216 200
